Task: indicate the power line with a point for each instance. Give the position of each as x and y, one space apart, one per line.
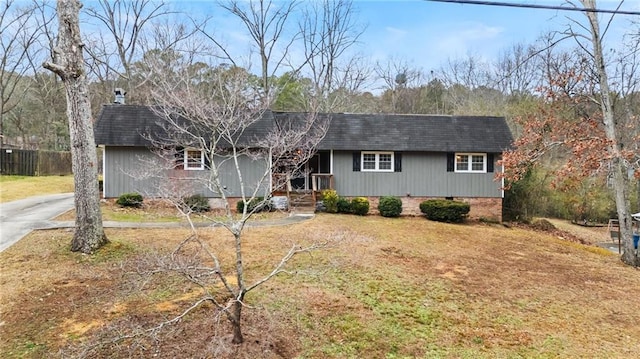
534 6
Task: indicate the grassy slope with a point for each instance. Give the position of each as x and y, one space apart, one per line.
388 288
19 187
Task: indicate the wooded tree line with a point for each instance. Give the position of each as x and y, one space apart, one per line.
306 54
312 53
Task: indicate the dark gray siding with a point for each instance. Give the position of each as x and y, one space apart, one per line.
137 169
423 174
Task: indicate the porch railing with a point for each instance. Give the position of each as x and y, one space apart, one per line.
321 181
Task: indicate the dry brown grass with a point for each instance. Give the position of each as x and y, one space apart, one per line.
18 187
392 288
159 211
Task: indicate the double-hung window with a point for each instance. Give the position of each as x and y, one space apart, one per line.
471 162
377 161
193 159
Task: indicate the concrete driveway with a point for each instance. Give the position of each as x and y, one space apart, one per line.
18 218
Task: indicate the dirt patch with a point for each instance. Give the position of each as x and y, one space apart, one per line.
591 235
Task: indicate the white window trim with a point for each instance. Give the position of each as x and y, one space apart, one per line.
469 167
377 154
186 160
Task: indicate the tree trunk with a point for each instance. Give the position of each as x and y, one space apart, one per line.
68 63
235 322
620 173
236 315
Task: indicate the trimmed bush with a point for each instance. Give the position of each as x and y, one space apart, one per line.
330 200
130 200
445 210
257 204
360 206
344 206
197 203
390 206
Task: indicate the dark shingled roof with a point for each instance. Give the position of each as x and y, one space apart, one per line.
437 133
133 125
125 125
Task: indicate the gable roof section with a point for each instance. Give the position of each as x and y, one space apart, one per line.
126 125
430 133
133 125
130 125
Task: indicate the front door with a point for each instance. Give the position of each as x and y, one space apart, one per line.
319 163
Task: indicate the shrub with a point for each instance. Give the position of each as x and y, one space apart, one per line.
197 203
330 200
344 206
390 206
360 206
255 205
444 210
130 200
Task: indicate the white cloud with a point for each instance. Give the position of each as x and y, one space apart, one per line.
459 40
395 32
475 31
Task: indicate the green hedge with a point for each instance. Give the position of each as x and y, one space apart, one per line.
360 206
330 200
197 203
445 210
257 204
344 206
390 206
130 200
336 204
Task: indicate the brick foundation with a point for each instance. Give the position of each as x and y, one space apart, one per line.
481 208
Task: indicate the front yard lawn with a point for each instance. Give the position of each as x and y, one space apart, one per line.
391 288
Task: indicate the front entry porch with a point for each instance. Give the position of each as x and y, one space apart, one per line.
304 190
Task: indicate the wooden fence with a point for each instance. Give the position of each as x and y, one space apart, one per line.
34 163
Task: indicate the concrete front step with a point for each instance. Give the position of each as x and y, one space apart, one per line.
303 210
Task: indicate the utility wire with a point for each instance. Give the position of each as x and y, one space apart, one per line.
534 6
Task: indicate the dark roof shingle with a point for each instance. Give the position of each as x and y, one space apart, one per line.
130 125
436 133
134 125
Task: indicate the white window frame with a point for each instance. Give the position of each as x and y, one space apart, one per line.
377 161
470 163
189 167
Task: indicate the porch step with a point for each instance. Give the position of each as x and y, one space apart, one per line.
301 203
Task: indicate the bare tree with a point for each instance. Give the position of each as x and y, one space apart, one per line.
328 30
516 70
20 31
215 119
471 86
68 64
578 117
616 149
399 77
42 106
126 22
266 22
